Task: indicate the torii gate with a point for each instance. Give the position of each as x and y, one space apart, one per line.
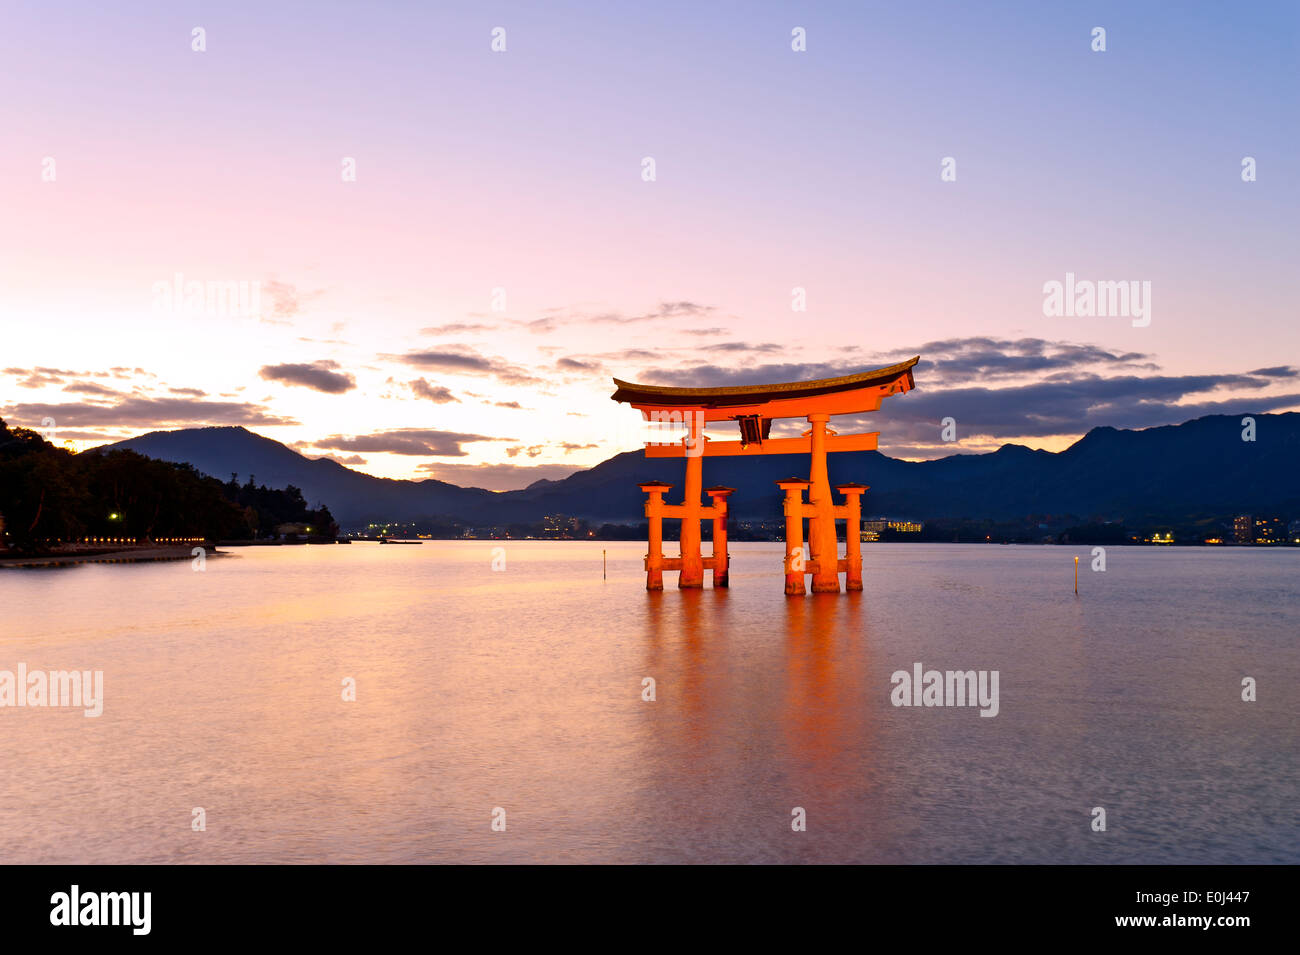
753 407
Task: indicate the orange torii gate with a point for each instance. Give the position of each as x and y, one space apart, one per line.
753 407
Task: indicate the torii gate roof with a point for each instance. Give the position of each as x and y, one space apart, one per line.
847 394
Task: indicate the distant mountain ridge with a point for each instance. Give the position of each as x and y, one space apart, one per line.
1199 467
350 495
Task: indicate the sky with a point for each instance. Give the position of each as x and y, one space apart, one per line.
448 250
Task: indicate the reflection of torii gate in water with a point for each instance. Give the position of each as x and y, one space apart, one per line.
753 407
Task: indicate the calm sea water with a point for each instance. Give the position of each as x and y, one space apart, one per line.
521 688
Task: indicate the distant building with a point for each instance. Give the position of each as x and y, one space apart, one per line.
290 531
1269 530
559 526
1243 529
874 530
1292 531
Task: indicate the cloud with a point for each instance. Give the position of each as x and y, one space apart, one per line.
541 325
634 354
91 388
1014 389
496 477
743 347
141 412
410 441
286 299
663 311
710 376
435 393
79 382
944 361
968 359
574 364
348 460
41 377
531 451
461 359
41 370
98 437
1070 407
40 381
317 376
471 362
455 328
947 362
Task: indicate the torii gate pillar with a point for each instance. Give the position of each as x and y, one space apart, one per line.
720 561
821 524
794 515
654 512
692 575
852 512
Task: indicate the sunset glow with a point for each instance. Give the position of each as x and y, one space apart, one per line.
458 310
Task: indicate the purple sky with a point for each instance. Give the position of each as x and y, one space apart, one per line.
458 310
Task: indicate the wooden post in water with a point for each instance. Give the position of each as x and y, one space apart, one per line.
1076 576
822 544
794 511
692 561
718 495
852 509
654 512
604 569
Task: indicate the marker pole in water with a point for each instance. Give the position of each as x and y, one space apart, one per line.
1076 575
605 576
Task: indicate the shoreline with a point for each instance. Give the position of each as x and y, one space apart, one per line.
129 556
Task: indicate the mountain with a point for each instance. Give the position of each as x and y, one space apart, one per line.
1201 467
352 497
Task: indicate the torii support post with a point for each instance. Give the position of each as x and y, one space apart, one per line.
654 512
720 560
821 523
692 572
852 511
794 514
